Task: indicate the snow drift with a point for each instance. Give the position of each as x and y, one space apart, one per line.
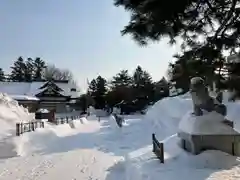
10 114
165 116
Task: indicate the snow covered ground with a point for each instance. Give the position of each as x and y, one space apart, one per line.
142 164
88 149
10 113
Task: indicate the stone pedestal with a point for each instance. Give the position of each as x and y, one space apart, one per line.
195 144
218 135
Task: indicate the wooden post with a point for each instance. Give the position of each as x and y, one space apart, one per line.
158 148
18 129
33 128
67 120
162 152
42 124
153 137
21 128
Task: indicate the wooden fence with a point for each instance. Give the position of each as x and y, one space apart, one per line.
67 119
28 127
158 148
31 126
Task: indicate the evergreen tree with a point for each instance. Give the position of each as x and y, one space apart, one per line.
2 76
143 87
84 101
18 70
29 70
39 66
98 89
121 89
206 28
161 89
121 79
92 87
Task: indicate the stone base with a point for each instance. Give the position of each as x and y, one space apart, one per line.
199 143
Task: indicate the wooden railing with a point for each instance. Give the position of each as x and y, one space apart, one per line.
158 148
67 119
28 127
31 126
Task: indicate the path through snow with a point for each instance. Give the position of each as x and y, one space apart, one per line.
91 151
76 165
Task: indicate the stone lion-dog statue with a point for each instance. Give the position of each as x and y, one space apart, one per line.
203 101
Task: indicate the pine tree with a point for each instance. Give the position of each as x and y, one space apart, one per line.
92 88
29 70
143 87
2 75
207 30
98 90
39 65
137 76
84 101
122 79
121 88
18 70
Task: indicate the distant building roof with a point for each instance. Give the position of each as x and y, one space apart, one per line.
24 97
33 88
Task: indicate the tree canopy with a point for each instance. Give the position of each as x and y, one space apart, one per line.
207 27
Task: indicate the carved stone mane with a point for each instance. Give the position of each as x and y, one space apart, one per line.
202 100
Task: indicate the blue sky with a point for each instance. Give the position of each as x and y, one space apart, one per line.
81 35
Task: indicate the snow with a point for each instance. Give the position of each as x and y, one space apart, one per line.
10 114
24 97
142 164
32 88
68 114
209 123
178 164
43 110
88 149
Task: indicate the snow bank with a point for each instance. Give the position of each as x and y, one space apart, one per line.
68 114
143 164
167 113
58 138
10 113
209 123
165 116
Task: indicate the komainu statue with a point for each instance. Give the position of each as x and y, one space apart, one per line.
202 101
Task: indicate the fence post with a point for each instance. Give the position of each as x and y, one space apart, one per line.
42 124
153 138
18 129
162 153
67 119
33 128
21 128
